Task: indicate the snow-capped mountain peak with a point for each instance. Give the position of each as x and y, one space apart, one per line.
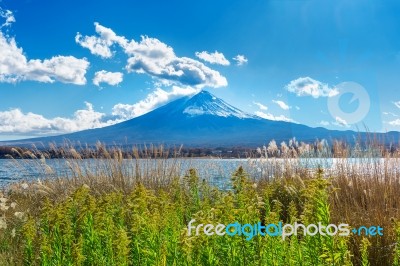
204 103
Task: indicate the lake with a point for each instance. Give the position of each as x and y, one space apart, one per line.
216 171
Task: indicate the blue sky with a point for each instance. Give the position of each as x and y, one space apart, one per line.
72 65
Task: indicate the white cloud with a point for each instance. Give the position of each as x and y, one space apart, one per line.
261 106
213 58
390 113
306 86
100 45
397 104
340 122
240 60
270 116
282 104
154 58
8 16
152 101
184 71
395 122
96 45
111 78
324 123
15 67
17 122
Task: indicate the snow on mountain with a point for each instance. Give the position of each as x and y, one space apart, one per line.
204 103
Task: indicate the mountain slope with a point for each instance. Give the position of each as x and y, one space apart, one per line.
202 120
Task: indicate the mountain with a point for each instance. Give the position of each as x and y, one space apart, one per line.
202 120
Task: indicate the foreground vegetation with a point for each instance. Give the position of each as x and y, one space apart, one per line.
114 213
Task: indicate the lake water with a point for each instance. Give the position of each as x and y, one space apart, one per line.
216 171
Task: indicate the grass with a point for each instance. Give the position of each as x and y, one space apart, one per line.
121 212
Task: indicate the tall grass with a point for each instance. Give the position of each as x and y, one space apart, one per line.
112 211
